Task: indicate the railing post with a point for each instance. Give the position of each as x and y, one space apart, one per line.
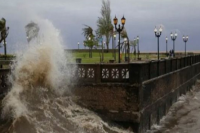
149 70
98 73
138 72
158 67
134 73
170 65
184 61
198 58
165 66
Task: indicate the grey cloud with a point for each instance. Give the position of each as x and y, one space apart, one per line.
141 15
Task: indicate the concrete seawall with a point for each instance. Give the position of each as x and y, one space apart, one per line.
146 97
136 95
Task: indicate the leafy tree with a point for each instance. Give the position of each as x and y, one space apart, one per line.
3 33
32 30
90 40
105 27
87 31
125 35
134 44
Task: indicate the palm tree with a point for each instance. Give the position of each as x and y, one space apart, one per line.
32 31
125 35
90 40
87 31
105 27
3 34
134 44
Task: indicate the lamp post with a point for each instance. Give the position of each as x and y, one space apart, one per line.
78 45
27 39
185 39
84 45
125 43
119 29
114 46
89 38
138 47
166 45
158 34
173 37
103 44
5 50
134 45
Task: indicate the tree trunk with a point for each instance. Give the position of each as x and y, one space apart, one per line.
5 52
102 52
91 52
112 47
107 43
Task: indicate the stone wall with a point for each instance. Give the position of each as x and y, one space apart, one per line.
140 92
145 96
4 85
116 101
160 93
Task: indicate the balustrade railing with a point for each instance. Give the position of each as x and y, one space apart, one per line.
3 81
114 73
120 73
103 73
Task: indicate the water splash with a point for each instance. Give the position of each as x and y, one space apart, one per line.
183 116
39 99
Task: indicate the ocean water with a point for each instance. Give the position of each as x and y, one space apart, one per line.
183 116
40 100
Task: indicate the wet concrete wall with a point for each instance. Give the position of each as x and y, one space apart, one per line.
160 93
118 102
139 92
152 87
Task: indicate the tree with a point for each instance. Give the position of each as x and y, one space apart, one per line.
4 33
32 30
134 44
90 40
125 35
105 27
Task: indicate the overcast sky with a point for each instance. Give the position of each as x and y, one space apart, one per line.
69 16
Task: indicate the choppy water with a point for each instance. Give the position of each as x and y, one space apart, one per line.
39 100
184 115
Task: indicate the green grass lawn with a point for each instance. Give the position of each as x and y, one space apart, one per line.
109 56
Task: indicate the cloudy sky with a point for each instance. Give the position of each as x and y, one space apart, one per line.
69 17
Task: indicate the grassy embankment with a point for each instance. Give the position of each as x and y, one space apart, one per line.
109 56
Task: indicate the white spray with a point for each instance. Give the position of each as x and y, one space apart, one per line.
42 64
40 77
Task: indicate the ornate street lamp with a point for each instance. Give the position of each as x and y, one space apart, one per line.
78 45
27 38
103 45
185 39
138 47
166 45
84 45
114 46
90 53
5 44
173 37
134 45
158 34
119 29
125 47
